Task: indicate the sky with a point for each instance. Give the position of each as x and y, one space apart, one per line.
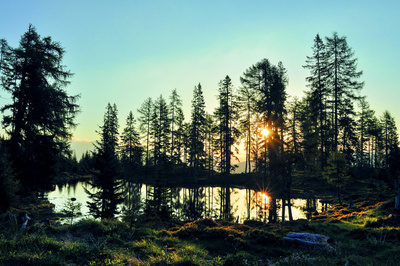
124 52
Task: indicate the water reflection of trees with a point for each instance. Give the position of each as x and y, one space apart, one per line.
193 203
189 204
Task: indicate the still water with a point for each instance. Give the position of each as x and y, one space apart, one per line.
244 202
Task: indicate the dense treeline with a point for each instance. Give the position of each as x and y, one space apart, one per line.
322 135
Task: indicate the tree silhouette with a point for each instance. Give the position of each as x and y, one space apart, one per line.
145 112
106 183
131 150
227 116
41 114
317 82
342 81
176 118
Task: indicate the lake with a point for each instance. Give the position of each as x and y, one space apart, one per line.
244 202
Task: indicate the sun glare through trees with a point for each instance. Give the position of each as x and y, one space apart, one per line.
328 148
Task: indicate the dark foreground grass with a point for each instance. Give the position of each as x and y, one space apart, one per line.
363 235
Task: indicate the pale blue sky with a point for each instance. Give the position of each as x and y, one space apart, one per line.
126 51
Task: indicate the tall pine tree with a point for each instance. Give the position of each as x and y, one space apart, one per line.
106 183
131 149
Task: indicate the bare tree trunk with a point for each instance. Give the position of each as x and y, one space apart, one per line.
248 202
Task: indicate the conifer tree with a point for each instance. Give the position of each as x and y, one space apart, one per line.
210 144
342 76
197 129
41 114
176 119
365 116
227 116
197 140
246 114
390 136
106 184
375 142
160 129
8 184
268 83
317 82
145 112
131 150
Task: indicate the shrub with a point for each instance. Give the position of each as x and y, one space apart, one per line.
206 222
261 237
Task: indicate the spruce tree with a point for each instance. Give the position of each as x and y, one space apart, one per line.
145 112
227 115
160 134
268 83
131 150
246 114
390 136
365 115
176 118
106 183
197 129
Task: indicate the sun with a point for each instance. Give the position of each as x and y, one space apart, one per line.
265 132
265 199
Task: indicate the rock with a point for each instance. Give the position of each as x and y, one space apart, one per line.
308 239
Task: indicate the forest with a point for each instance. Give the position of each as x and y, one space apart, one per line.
330 140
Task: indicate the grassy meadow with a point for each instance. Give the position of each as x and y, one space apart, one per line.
366 234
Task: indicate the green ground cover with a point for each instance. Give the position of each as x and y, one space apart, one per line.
363 235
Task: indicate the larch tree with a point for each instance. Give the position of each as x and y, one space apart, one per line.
342 79
317 82
40 117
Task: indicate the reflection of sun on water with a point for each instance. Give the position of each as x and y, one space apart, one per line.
262 201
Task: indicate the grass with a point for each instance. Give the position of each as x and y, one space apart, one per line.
201 242
363 235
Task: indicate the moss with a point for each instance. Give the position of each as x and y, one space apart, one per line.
358 233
